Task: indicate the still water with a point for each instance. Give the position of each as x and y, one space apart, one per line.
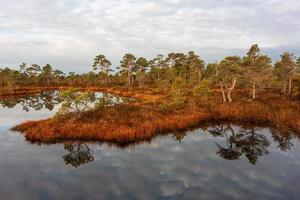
216 161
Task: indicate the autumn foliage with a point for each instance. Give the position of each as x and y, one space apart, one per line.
142 120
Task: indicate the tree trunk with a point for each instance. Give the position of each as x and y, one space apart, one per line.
290 84
284 87
223 94
270 81
129 68
129 79
229 96
253 91
229 91
199 76
106 79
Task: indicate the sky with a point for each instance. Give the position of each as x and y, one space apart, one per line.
69 33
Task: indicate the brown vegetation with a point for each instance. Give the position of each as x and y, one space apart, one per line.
25 91
178 91
139 121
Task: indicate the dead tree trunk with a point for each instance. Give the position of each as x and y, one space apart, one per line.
130 69
253 90
290 84
223 94
284 87
229 90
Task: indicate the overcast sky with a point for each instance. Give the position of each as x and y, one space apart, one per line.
69 33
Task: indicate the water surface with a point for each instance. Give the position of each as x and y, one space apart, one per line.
216 161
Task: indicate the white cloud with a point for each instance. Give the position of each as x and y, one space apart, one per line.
69 33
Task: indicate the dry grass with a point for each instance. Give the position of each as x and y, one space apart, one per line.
146 94
23 91
134 122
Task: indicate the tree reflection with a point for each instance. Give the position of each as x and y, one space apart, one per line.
78 154
283 138
8 103
178 135
231 152
252 144
246 142
39 101
48 100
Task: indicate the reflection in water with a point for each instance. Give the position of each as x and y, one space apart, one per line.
44 100
178 136
283 138
245 140
231 152
49 99
213 162
252 144
78 154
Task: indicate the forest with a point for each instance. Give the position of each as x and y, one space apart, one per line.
173 92
255 71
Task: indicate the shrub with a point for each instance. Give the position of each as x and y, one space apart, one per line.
179 92
201 92
75 102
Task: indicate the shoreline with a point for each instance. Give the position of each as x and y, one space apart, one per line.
137 93
28 90
141 121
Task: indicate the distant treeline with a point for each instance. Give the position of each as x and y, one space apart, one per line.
253 71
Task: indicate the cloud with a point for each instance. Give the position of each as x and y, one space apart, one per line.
194 172
69 34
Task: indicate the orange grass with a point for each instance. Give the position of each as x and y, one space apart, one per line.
135 122
137 93
23 91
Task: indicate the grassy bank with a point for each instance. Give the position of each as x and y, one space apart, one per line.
137 93
24 91
139 121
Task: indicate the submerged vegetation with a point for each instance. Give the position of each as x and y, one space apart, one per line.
174 92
